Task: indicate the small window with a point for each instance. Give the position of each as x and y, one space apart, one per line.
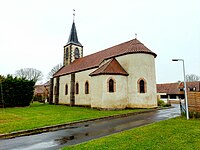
111 85
66 89
77 88
142 86
192 89
77 55
86 87
181 89
172 96
66 53
164 96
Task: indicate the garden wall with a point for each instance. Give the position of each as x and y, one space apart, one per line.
194 102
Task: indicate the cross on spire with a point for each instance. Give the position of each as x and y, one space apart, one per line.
135 35
73 15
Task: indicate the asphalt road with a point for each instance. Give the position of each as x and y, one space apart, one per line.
86 131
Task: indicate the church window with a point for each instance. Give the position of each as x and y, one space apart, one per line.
141 86
67 52
86 87
77 88
111 85
66 89
77 55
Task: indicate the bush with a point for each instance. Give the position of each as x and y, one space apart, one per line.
163 104
17 91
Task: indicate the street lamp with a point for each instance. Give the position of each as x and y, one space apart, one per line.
185 88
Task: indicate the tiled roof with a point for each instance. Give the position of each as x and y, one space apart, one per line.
39 89
173 88
195 84
169 88
93 60
111 67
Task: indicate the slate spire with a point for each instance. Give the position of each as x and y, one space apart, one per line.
73 38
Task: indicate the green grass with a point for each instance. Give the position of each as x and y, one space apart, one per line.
39 115
173 134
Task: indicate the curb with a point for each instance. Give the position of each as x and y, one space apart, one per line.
64 126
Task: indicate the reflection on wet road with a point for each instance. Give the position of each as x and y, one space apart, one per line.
86 131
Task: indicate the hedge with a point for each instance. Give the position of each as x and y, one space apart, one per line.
16 92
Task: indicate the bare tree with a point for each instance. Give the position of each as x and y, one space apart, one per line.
192 78
54 70
29 74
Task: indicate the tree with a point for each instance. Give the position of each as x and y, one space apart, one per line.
2 78
54 70
29 74
192 78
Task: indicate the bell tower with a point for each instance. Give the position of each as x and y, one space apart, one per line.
73 49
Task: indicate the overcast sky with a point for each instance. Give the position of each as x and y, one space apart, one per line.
33 32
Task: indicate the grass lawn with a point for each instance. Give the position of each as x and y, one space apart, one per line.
174 134
39 115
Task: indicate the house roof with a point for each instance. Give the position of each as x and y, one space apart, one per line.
173 88
169 88
73 38
94 60
195 84
39 89
111 67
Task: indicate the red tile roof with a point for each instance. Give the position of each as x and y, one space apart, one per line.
111 67
195 84
173 88
169 88
39 89
93 60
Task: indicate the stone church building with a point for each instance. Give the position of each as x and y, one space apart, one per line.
122 76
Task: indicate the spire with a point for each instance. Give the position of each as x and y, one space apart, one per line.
73 38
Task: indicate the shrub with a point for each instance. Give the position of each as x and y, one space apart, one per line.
17 91
163 104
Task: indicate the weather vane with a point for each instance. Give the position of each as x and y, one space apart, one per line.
135 35
73 14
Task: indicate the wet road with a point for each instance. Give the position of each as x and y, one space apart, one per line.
86 131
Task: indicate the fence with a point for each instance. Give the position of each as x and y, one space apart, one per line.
194 103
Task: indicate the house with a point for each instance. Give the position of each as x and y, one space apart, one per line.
175 91
41 92
122 76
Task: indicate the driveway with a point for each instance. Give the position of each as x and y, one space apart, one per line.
86 131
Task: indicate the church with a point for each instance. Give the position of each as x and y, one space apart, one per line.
118 77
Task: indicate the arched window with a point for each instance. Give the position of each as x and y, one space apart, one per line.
67 52
141 86
66 89
86 87
111 85
77 53
77 88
